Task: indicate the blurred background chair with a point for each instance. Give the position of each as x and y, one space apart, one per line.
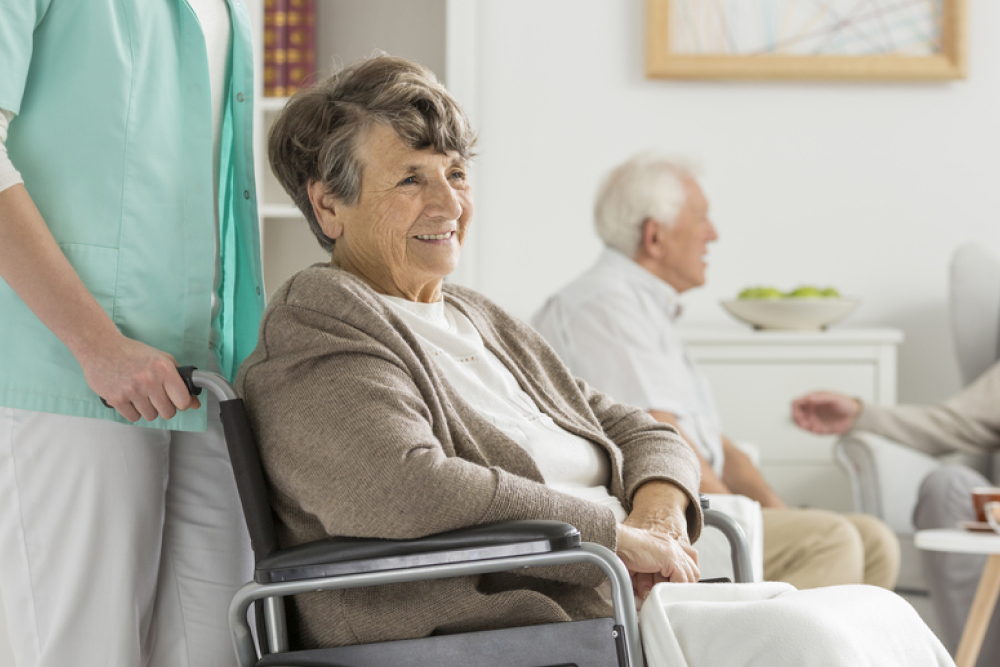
885 476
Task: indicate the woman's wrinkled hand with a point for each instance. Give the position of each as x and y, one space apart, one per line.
137 380
653 557
825 412
653 541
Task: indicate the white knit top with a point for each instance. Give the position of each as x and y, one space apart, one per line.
568 463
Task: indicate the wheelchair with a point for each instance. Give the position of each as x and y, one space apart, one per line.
341 562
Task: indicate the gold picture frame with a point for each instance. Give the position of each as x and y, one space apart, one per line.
930 57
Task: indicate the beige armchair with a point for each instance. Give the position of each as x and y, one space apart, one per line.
885 476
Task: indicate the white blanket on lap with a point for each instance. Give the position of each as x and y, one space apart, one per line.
774 625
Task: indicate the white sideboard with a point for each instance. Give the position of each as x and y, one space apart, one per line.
755 375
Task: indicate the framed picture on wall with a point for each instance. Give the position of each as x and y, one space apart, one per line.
806 39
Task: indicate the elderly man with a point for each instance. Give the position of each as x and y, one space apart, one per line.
614 327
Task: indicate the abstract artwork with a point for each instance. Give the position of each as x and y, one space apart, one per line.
806 38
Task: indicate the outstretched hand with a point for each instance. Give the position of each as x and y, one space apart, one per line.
137 380
825 412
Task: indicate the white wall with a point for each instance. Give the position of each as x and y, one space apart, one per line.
864 186
351 29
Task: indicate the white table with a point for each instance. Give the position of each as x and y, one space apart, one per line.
965 542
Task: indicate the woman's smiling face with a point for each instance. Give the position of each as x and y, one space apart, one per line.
405 232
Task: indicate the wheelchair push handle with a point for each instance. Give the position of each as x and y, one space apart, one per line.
195 380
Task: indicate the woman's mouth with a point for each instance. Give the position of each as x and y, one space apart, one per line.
434 237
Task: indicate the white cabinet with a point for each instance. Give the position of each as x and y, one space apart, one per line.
754 377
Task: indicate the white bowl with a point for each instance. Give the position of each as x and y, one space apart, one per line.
791 313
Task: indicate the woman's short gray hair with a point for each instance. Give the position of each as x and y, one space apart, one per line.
646 186
316 136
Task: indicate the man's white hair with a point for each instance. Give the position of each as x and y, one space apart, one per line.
648 185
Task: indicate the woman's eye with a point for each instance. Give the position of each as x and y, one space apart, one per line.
458 175
409 180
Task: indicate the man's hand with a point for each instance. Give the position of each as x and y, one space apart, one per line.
825 412
137 380
653 541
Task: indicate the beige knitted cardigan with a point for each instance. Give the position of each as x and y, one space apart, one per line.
360 435
968 422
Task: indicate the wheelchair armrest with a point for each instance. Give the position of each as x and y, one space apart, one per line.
338 556
740 555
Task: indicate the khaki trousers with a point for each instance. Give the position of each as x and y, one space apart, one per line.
810 548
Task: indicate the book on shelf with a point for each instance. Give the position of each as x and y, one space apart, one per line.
289 46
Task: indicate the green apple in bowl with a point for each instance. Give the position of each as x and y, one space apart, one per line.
805 292
761 293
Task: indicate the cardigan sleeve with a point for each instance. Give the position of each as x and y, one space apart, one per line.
968 422
650 451
348 439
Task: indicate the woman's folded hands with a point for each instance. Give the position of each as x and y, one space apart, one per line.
653 541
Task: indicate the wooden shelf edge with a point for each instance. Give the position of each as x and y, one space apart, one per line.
279 211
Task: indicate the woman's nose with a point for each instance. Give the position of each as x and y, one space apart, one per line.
444 200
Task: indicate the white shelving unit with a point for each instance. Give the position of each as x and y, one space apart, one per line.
440 34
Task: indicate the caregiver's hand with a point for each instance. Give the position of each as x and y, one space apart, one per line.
137 380
653 541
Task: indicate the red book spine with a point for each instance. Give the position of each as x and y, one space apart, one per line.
275 48
300 44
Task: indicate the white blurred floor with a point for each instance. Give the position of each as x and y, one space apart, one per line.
911 579
6 657
922 604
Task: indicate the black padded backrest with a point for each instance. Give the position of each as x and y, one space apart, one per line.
249 478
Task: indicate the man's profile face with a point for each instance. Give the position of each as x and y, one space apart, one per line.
687 241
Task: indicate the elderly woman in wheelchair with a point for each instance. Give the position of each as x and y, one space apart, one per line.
389 404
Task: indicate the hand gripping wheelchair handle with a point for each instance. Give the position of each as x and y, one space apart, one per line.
186 373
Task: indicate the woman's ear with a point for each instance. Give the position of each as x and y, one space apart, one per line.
326 209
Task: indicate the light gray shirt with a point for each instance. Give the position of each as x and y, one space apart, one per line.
614 327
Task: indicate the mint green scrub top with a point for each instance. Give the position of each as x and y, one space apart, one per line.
113 137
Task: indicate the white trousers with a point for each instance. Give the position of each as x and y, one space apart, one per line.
120 546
